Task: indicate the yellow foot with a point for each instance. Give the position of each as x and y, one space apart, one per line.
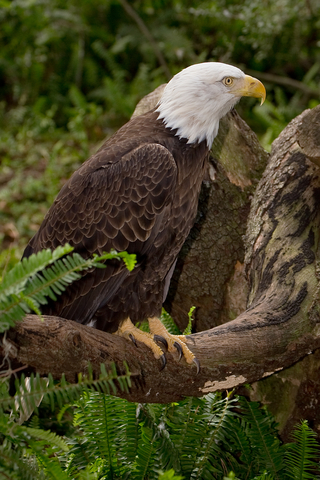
129 331
158 334
172 342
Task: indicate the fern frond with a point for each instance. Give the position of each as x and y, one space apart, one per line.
239 446
98 417
301 457
62 392
146 452
15 465
168 322
14 303
91 472
196 429
170 475
179 418
264 476
129 432
231 476
33 280
188 329
263 436
215 415
167 456
128 258
14 281
28 441
171 326
51 467
80 456
47 437
163 455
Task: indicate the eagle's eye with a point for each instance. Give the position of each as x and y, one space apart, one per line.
228 81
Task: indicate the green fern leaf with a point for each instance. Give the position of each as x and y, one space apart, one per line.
27 286
15 280
128 258
215 415
237 434
47 437
263 437
98 417
51 467
146 451
16 465
129 432
164 455
188 329
170 475
264 476
29 441
302 457
168 322
62 392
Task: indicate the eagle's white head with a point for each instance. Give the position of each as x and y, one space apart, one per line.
195 99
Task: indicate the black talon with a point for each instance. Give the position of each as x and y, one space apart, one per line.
163 360
158 338
179 348
196 361
133 339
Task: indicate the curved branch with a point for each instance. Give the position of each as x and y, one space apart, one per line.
280 325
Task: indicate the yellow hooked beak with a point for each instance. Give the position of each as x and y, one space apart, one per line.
250 87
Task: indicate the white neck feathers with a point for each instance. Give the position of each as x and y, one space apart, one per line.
195 100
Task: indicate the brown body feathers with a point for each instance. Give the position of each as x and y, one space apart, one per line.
138 193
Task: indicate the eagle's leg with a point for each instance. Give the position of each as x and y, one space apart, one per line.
173 342
129 331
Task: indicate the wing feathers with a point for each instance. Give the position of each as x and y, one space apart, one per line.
121 204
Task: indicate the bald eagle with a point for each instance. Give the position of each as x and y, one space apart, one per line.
139 193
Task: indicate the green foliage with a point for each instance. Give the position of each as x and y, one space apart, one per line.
137 441
45 274
206 438
278 110
28 394
23 443
49 47
195 438
25 288
170 475
302 456
261 432
168 322
188 329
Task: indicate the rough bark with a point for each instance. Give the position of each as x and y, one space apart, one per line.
293 394
279 326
